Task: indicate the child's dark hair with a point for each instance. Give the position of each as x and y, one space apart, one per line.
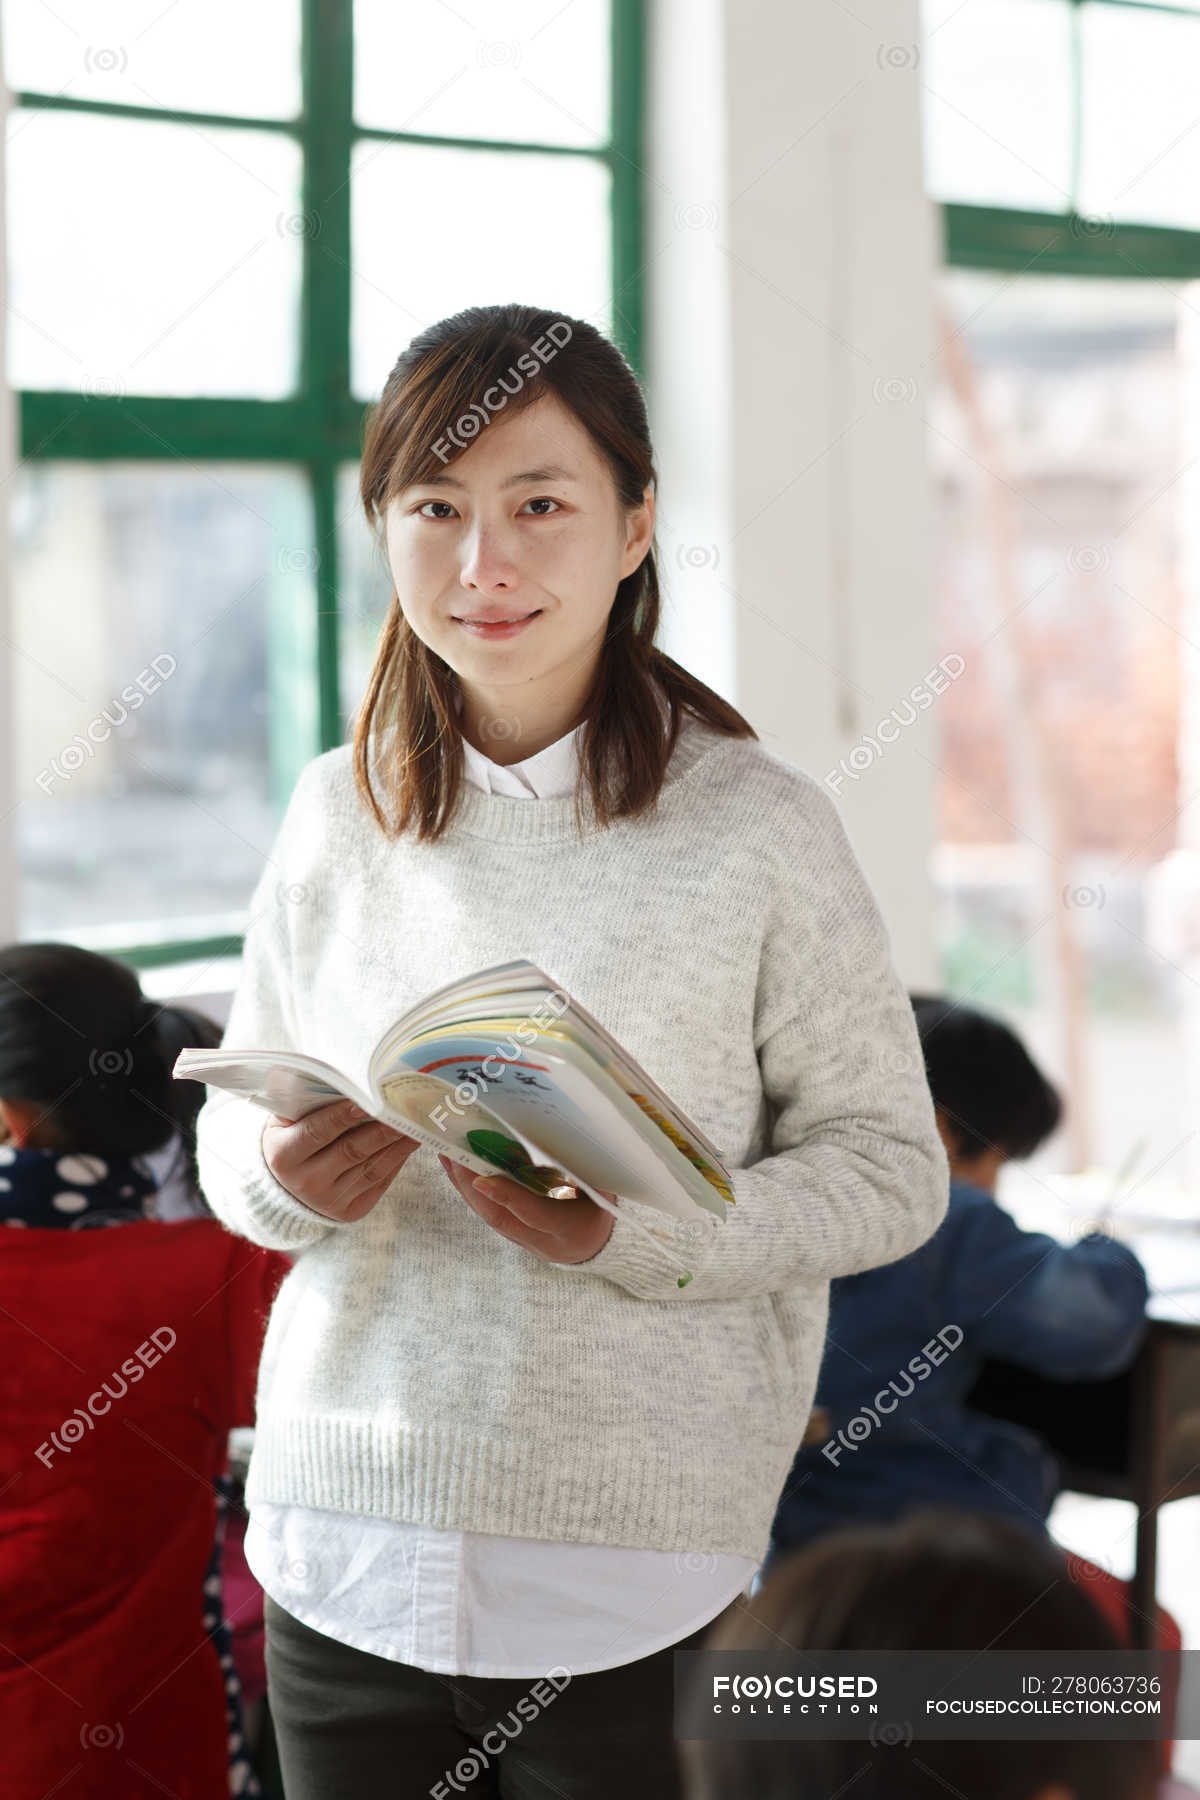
79 1038
940 1579
983 1079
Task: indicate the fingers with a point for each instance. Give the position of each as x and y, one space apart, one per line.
376 1164
292 1145
555 1230
532 1210
319 1128
336 1158
362 1154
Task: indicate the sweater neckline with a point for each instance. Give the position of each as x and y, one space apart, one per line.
504 818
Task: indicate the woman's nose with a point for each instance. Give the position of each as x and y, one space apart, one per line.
488 564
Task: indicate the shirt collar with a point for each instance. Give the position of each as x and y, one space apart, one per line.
552 772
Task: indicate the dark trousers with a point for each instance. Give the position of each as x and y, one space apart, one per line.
353 1726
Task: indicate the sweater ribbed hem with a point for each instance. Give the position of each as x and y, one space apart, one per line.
452 1479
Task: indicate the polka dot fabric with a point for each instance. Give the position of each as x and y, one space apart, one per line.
49 1190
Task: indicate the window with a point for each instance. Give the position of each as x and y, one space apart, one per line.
1063 434
214 261
1064 107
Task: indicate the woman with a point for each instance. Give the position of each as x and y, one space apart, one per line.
496 1441
128 1356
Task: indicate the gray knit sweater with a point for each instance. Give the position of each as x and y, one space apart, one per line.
417 1365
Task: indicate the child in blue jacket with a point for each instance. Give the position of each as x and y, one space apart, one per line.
906 1342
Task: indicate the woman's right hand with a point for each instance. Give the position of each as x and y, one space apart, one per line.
336 1160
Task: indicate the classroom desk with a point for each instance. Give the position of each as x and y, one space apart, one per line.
1135 1436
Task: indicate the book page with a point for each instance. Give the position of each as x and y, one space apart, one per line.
543 1098
287 1084
522 988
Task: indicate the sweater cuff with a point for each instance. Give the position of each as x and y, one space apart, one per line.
240 1188
639 1265
279 1210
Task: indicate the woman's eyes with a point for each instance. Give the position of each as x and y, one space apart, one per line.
538 500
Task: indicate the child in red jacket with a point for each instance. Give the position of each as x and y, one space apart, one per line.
127 1357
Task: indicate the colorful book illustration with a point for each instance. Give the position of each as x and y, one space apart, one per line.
505 1072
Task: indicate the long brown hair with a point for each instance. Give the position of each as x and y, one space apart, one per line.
432 401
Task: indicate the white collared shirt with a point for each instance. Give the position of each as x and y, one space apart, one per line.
472 1603
551 771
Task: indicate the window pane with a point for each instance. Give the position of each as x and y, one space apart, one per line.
364 590
145 53
995 102
435 230
1141 94
1063 557
537 74
163 659
173 265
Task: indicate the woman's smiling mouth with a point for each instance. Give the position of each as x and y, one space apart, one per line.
498 627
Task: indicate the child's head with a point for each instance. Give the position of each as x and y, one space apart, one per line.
992 1101
86 1059
940 1580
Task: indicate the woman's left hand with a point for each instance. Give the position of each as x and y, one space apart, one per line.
563 1231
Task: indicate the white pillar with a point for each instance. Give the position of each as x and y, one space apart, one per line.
790 264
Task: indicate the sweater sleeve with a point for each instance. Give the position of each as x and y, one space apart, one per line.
1074 1312
234 1176
856 1174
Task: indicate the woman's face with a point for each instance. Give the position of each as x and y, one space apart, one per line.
526 521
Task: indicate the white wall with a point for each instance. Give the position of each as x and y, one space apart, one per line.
789 262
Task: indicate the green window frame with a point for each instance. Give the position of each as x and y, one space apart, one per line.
1069 243
319 428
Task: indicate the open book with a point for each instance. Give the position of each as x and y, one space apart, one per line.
504 1072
